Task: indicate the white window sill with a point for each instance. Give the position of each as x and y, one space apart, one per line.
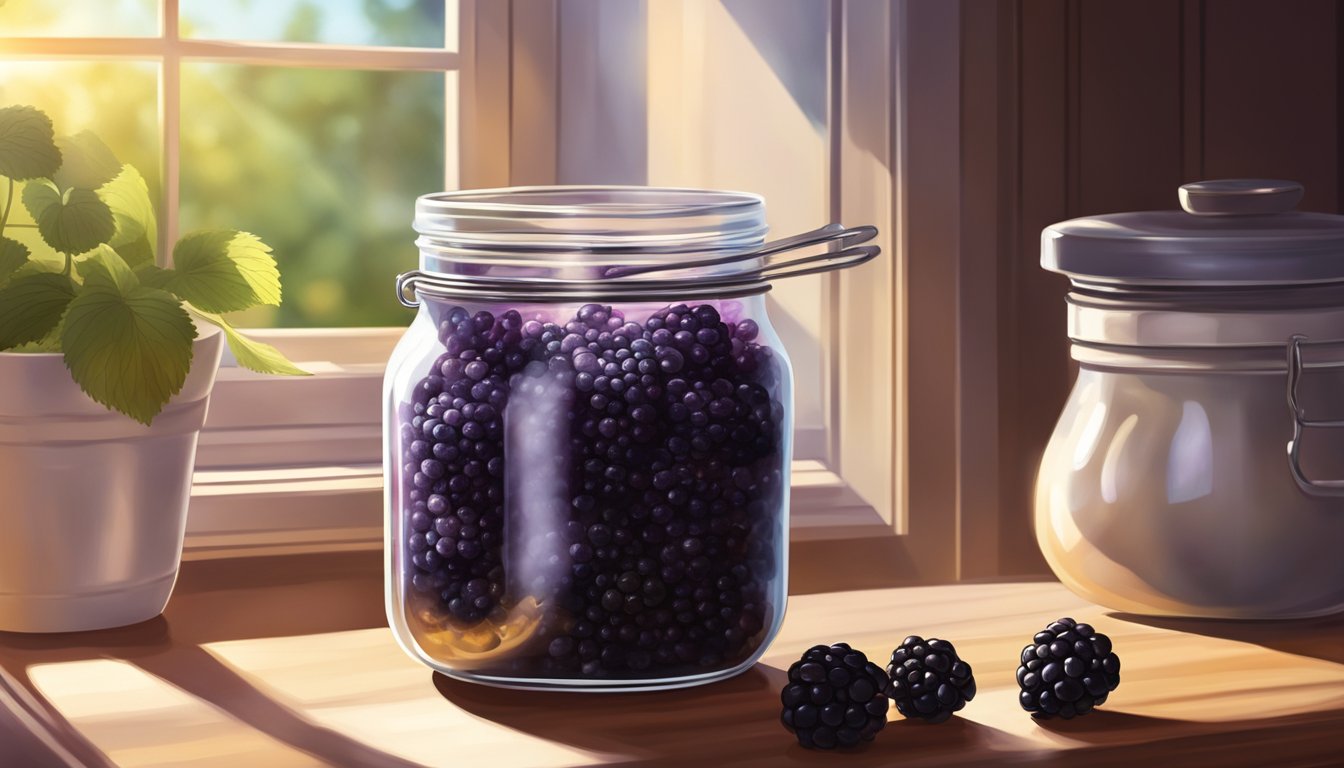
237 513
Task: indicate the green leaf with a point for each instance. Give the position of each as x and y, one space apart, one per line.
27 145
224 271
49 343
138 253
36 266
252 354
154 277
31 305
87 163
129 349
137 230
13 255
105 267
73 222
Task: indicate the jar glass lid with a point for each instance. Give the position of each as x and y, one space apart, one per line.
1232 232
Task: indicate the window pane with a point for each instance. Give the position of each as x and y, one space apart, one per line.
325 166
416 23
116 100
79 18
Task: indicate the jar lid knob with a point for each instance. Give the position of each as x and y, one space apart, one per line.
1240 197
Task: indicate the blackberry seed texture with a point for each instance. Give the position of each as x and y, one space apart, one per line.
929 680
1067 670
835 697
606 492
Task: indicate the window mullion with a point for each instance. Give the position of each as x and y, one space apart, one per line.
170 117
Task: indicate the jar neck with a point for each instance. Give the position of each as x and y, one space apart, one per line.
1266 359
434 310
1225 321
439 258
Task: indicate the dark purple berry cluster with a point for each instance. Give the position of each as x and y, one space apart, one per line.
929 680
835 697
1068 669
626 475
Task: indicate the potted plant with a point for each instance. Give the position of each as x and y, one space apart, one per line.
106 366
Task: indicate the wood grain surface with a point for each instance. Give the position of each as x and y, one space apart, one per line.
286 662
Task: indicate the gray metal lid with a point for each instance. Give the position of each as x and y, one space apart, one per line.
1231 232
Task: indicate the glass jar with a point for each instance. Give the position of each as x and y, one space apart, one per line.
1176 481
588 431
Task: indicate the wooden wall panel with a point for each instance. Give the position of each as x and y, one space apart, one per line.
1128 105
1271 87
1033 350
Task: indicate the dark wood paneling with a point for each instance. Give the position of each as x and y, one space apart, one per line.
1192 89
1128 105
1033 352
1271 82
1117 103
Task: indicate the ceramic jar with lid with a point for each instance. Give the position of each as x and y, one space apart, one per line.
1190 473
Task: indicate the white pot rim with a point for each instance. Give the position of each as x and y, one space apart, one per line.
37 389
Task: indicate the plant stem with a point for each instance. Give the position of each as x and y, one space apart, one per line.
9 203
24 226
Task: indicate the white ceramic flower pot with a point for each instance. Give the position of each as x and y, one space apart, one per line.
93 505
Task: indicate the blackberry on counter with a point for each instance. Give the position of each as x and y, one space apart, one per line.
1068 669
835 698
929 681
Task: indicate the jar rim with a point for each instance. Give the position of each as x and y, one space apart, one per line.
566 200
590 218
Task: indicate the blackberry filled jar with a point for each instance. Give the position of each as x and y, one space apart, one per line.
588 431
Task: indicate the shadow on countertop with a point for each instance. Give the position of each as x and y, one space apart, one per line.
1111 738
661 728
686 727
1318 638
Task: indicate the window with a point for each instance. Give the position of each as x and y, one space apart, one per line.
311 124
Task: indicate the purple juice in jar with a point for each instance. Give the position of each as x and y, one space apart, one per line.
594 497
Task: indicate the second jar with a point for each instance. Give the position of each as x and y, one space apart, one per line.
588 437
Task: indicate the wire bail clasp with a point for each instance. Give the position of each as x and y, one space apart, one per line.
670 280
1296 368
849 254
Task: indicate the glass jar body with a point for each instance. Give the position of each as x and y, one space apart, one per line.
1166 490
588 496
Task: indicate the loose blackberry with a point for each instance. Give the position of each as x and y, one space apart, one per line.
1068 669
835 698
929 681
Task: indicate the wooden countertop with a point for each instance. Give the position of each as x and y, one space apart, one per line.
285 662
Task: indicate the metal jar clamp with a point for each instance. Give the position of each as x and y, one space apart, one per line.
1296 368
633 284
